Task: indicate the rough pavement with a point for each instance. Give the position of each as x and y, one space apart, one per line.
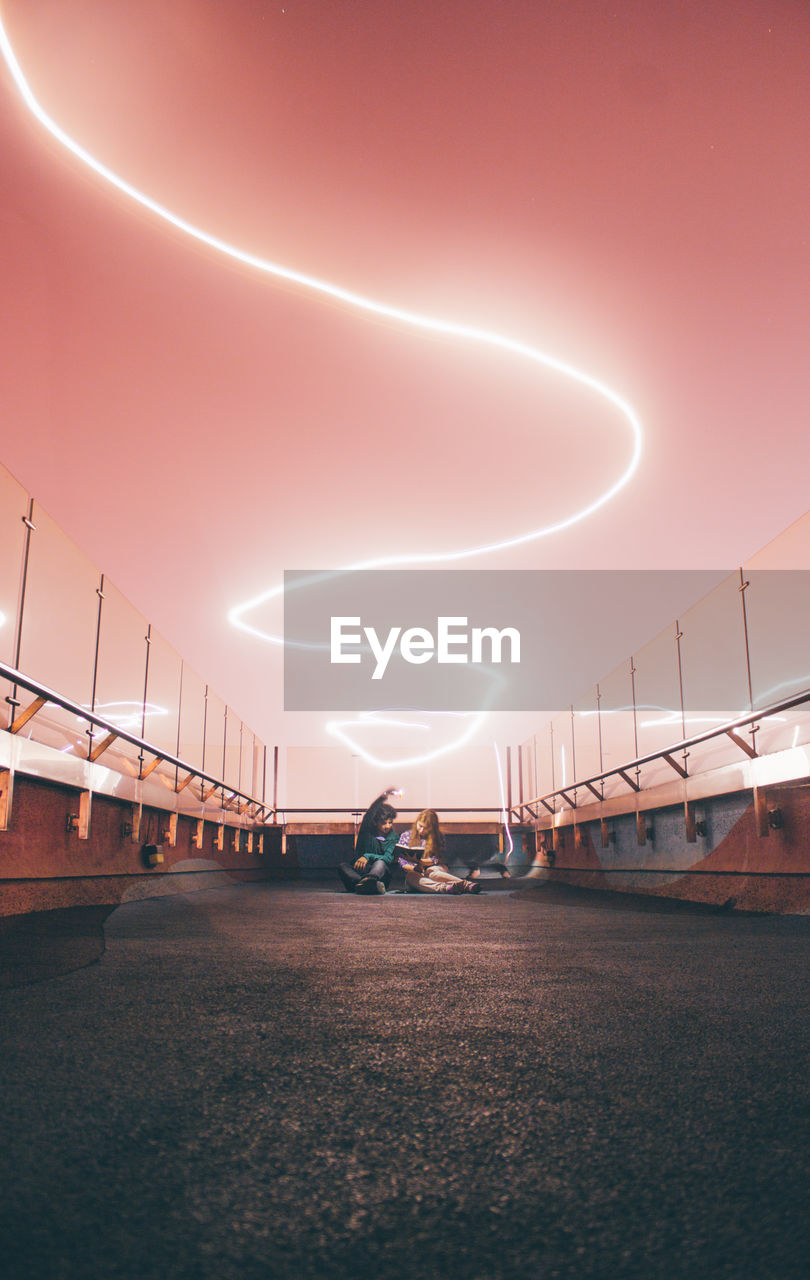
287 1082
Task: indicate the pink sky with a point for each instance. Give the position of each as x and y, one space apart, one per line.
625 185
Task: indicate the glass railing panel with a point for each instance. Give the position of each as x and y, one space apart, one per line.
465 781
420 781
784 731
715 678
122 659
261 785
13 509
246 760
163 698
586 739
214 736
617 724
192 718
71 630
58 630
659 722
233 749
778 617
715 674
121 677
562 738
544 761
343 779
523 785
530 746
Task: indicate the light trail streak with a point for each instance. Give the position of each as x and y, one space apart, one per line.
414 320
115 713
372 719
504 815
411 319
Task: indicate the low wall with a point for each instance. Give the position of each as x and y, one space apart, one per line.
730 864
46 866
317 855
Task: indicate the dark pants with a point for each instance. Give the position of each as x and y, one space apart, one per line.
374 867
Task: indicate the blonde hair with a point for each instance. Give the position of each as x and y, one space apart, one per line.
434 840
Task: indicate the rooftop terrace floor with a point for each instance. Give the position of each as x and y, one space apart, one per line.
284 1081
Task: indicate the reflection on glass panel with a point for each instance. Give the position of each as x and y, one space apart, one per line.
329 776
13 507
778 613
162 695
536 786
785 732
233 749
54 727
528 770
454 784
122 652
214 736
544 761
60 600
121 673
715 678
246 761
658 695
252 762
262 765
563 742
717 753
419 782
192 718
586 736
121 755
617 723
67 622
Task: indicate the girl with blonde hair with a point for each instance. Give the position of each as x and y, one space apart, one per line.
423 861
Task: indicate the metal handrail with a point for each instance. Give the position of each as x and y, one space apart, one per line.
677 748
490 808
18 678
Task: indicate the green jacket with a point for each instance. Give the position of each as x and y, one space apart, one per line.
378 847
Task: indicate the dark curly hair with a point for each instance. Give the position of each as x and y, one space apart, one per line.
378 811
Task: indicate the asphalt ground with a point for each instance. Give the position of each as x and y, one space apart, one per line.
285 1082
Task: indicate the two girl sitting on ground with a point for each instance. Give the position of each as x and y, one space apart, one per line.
419 851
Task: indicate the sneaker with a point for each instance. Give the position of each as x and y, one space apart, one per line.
370 885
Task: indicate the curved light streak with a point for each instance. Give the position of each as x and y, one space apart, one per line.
115 713
336 728
411 319
430 324
504 815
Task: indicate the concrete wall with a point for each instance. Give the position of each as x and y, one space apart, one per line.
316 856
44 866
729 864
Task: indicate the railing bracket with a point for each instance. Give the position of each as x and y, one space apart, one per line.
749 749
679 768
30 711
102 747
